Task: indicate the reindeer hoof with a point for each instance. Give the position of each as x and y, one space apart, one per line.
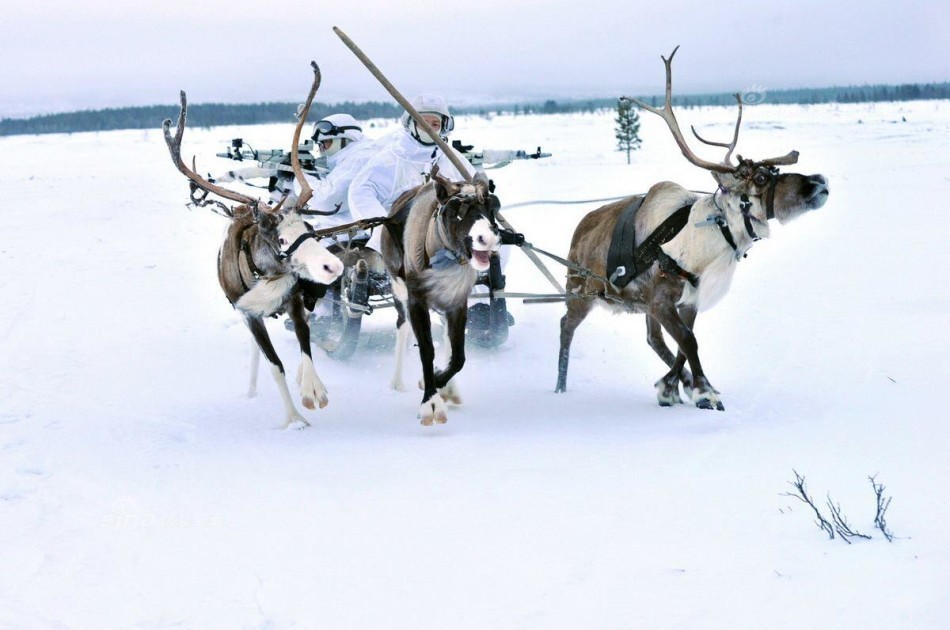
433 411
297 422
450 394
308 402
706 403
707 397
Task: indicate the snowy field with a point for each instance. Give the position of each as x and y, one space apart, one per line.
140 488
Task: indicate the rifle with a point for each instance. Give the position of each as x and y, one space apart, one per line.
278 160
494 158
275 163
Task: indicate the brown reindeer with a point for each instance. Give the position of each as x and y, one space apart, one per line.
439 236
269 263
683 252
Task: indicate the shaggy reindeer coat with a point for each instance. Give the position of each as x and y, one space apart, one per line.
439 236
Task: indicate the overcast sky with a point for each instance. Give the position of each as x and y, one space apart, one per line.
59 56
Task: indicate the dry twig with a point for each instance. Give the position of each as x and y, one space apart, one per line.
882 505
802 495
842 526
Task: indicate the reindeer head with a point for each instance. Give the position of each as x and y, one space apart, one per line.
291 239
755 187
296 246
466 218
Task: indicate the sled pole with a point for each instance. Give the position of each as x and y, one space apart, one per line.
396 94
446 149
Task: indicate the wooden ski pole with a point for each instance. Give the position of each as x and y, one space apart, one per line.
446 149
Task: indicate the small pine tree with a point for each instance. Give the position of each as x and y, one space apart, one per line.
628 127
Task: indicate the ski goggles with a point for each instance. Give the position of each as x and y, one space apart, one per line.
448 122
327 128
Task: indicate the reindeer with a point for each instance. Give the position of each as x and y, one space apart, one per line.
438 238
270 262
687 246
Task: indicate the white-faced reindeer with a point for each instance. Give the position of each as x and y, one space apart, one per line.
686 249
269 263
439 237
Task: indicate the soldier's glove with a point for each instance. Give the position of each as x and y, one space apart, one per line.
511 238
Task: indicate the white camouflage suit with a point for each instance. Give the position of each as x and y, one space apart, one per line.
400 163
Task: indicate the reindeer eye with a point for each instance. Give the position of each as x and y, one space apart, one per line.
282 241
761 179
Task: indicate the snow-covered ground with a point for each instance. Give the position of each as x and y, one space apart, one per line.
139 487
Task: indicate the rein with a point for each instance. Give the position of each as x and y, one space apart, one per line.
283 256
745 207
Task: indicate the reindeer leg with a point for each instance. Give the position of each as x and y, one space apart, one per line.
432 408
311 387
454 340
703 394
402 333
667 388
577 309
255 366
256 325
688 315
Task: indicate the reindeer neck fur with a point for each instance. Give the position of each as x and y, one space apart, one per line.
704 251
255 280
422 238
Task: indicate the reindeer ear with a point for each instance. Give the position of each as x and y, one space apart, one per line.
494 204
269 221
444 190
728 181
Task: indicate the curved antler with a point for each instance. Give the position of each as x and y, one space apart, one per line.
790 158
305 191
785 160
667 114
735 136
174 148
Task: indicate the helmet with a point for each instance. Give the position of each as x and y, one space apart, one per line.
340 129
428 104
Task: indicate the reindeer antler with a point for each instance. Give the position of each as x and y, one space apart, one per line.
790 158
785 160
305 191
667 114
735 136
174 148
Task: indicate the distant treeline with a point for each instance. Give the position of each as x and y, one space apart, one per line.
802 96
199 115
216 114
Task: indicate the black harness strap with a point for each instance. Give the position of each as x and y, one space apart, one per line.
671 267
726 232
770 198
621 267
649 249
293 247
639 259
